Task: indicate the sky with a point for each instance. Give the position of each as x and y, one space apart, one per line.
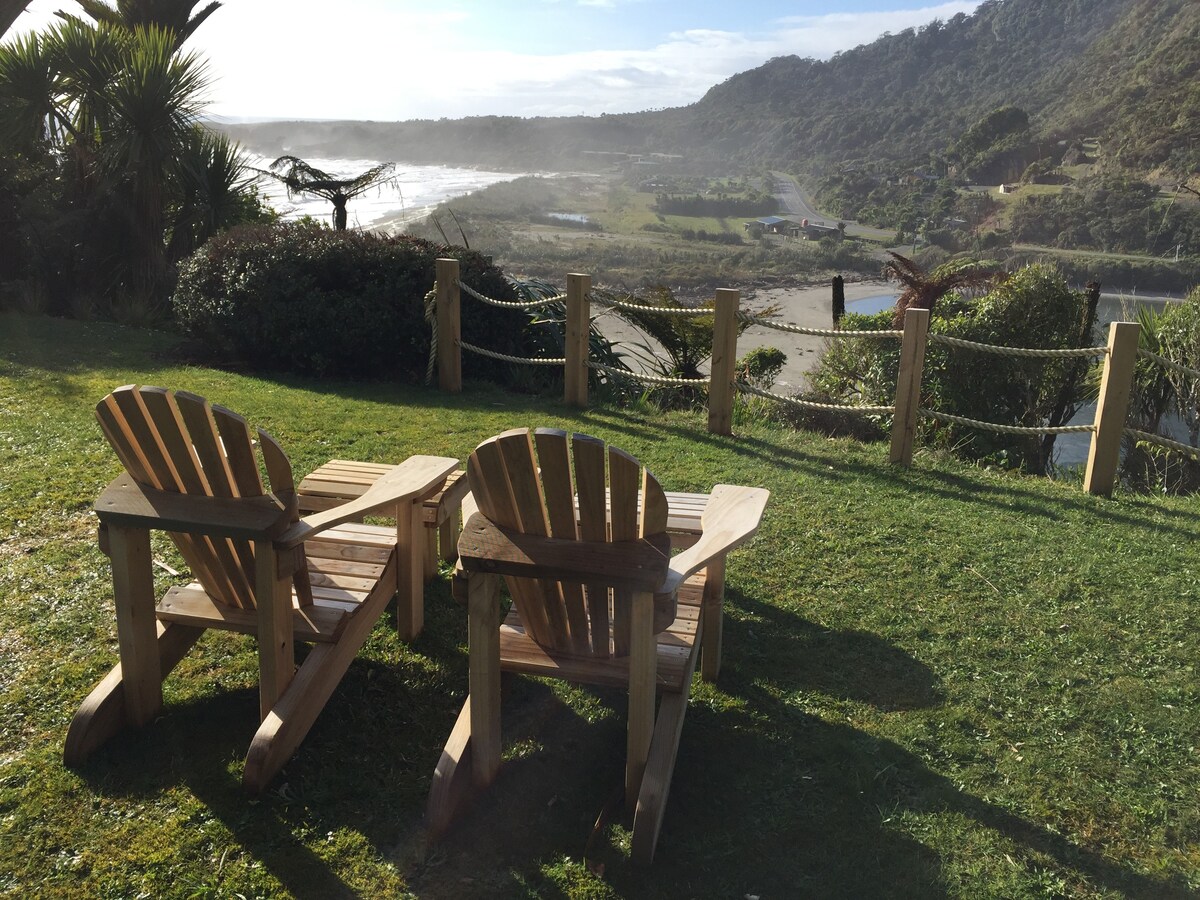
388 60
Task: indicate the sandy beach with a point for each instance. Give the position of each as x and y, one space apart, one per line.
807 306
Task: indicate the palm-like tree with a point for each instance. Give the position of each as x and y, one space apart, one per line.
923 289
301 178
173 15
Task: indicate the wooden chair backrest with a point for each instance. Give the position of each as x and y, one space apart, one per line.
573 487
178 442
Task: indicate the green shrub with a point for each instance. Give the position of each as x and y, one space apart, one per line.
1033 309
306 299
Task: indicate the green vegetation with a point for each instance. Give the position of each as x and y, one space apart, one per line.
1033 308
108 180
637 248
303 298
943 681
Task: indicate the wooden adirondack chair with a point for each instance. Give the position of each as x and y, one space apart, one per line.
191 470
597 598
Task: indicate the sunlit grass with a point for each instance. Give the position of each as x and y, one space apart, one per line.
943 681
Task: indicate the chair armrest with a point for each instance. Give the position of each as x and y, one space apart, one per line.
127 503
413 477
730 519
637 565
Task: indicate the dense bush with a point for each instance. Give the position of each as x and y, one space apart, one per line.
1034 308
1166 401
304 298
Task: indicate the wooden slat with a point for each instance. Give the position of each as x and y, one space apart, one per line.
211 559
591 488
488 475
194 411
623 482
543 600
555 461
191 605
279 467
239 451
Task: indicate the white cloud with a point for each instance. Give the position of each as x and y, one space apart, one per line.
383 59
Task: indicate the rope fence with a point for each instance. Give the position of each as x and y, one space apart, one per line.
647 378
1015 351
1168 364
815 332
1006 429
504 357
1147 437
1119 360
813 405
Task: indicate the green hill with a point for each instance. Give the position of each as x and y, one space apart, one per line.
1123 73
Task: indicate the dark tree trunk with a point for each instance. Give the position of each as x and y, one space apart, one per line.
839 299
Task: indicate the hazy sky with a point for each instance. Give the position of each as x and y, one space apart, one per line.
401 59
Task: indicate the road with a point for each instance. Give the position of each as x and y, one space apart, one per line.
793 203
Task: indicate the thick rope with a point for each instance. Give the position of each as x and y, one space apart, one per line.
1005 429
1173 366
431 318
663 310
815 332
1014 351
511 359
506 304
649 379
809 404
1185 449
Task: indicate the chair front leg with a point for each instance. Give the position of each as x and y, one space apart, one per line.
713 619
137 634
643 662
410 573
276 655
483 636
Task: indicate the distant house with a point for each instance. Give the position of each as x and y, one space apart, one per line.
1009 188
769 225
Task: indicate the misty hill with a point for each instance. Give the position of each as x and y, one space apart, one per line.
1124 73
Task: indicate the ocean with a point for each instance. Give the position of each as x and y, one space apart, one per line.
415 192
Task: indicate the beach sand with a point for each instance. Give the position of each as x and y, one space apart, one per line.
806 306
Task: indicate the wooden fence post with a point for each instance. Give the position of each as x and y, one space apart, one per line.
908 385
724 356
449 353
1112 408
575 376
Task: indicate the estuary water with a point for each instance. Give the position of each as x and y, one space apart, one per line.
414 192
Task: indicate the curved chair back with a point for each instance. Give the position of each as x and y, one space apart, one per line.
572 487
178 442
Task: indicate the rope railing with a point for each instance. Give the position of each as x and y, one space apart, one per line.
510 304
504 357
745 388
1006 429
647 378
1015 351
1173 366
613 303
723 386
814 332
1185 449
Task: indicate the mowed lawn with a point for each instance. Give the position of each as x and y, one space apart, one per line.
938 682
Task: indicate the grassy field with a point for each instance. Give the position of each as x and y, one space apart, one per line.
938 682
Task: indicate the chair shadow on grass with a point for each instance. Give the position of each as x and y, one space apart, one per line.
846 782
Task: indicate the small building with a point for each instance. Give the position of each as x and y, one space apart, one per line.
769 225
1009 188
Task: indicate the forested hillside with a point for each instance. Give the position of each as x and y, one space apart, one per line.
1123 72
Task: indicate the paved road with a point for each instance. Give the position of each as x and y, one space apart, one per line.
795 203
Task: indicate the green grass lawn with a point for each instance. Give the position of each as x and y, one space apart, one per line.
938 682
